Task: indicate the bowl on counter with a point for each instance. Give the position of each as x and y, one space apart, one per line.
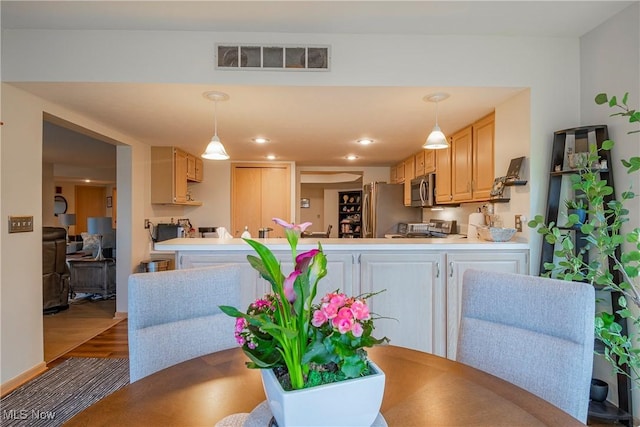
496 234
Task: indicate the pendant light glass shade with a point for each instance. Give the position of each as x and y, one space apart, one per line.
215 150
436 139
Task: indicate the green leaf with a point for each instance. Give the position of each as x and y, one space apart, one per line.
613 101
607 144
601 98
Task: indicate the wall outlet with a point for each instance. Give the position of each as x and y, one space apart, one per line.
519 219
146 223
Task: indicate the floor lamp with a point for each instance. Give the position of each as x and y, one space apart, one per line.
67 220
101 226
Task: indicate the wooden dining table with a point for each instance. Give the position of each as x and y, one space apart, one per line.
421 390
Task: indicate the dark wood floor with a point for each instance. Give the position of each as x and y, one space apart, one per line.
112 343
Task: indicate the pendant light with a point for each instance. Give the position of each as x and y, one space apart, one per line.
436 139
215 150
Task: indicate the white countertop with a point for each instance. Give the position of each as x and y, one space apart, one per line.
332 244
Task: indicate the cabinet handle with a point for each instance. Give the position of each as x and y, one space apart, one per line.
450 268
437 270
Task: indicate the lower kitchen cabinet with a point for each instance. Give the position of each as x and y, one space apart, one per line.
457 264
413 301
423 288
339 272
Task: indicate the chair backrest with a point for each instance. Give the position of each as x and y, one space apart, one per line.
174 316
329 230
532 331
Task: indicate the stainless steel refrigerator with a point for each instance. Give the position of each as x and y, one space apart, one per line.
383 208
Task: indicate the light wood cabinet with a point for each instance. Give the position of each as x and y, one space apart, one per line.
195 171
483 157
400 172
469 169
429 161
409 174
461 157
393 174
259 192
444 189
419 163
169 176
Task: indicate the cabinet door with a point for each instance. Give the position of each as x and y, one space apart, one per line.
483 163
444 192
414 298
252 286
180 177
199 170
191 167
462 152
419 162
457 264
429 161
393 178
409 174
400 172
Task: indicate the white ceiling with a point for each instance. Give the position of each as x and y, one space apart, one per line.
309 125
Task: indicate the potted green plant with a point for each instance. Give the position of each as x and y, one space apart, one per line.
609 245
300 346
578 208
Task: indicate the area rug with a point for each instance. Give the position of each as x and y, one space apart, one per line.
61 392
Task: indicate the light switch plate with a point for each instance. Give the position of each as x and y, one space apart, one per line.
20 224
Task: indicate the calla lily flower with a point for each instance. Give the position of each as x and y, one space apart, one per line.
289 292
303 260
291 226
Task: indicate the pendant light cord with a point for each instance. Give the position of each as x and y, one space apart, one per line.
215 117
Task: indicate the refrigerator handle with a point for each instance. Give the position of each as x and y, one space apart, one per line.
366 212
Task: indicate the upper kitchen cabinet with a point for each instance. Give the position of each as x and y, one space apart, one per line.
425 162
409 174
483 166
259 193
195 171
461 158
444 193
400 173
465 171
169 166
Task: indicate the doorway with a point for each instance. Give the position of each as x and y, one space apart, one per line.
71 155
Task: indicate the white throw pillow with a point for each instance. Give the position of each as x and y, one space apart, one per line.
90 241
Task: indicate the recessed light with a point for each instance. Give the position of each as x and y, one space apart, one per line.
365 141
260 140
271 156
351 157
87 180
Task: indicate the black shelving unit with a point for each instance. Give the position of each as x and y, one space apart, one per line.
559 186
350 214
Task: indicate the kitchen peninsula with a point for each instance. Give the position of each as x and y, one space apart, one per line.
421 278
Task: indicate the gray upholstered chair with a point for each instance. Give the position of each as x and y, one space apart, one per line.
174 316
534 332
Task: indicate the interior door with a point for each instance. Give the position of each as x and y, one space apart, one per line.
259 192
90 201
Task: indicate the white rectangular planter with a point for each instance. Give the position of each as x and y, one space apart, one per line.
354 402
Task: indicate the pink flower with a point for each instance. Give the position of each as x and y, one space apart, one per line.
338 299
291 226
357 330
330 310
319 318
289 292
360 310
303 259
343 324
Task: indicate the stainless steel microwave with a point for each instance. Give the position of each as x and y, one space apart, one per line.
423 191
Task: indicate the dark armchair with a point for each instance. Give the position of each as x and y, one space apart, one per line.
55 273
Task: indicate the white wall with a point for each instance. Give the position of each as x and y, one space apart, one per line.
610 63
548 66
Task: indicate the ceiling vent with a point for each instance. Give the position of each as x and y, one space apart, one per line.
284 57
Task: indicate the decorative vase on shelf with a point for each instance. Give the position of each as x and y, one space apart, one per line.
352 402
